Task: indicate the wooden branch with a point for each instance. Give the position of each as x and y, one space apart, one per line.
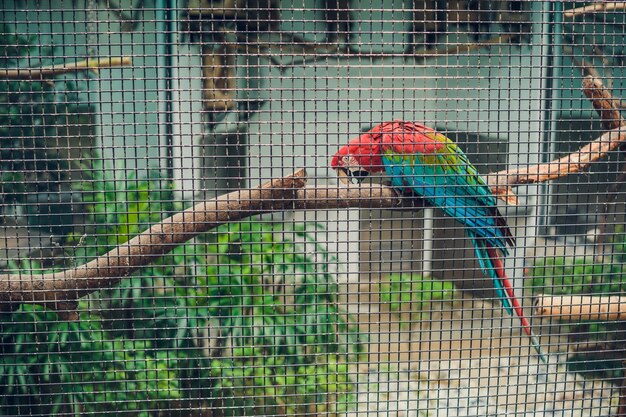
576 162
305 52
598 7
573 163
61 290
43 73
581 307
586 67
464 47
218 78
604 103
609 110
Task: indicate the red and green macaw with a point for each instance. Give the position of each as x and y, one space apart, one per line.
422 161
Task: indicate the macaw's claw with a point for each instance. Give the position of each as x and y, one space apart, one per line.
403 195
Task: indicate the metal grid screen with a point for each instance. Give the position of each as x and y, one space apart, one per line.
307 207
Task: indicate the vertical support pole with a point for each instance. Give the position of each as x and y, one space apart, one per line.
551 104
165 68
537 146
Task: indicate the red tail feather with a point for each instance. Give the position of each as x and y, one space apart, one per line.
499 268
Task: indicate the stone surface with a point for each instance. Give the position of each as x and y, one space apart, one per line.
466 359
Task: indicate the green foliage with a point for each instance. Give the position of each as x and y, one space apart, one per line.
28 111
563 275
581 275
407 293
266 292
51 367
275 298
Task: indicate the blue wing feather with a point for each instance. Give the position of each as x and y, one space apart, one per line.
449 181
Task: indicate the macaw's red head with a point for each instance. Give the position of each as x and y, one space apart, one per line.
359 158
363 155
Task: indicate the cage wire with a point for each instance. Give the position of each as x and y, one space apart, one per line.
177 237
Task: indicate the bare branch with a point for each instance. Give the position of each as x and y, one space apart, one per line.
604 103
579 161
338 52
609 110
598 7
464 47
61 290
573 163
44 73
586 67
581 307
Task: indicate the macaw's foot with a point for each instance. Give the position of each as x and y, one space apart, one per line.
403 195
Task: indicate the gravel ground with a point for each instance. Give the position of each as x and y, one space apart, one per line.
467 360
452 389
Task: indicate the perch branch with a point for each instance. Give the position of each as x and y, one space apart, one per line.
608 109
579 161
604 103
581 307
576 162
42 73
586 67
61 290
463 47
595 8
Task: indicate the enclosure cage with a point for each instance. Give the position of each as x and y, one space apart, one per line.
307 207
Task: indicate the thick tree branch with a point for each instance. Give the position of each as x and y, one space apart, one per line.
608 108
604 103
45 73
573 163
61 290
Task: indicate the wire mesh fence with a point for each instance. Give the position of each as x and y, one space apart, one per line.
302 207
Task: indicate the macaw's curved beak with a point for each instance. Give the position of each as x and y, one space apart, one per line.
351 176
344 176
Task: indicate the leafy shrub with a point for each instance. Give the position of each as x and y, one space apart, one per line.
413 293
275 298
244 320
51 367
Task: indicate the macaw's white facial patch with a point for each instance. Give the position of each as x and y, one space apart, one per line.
350 170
